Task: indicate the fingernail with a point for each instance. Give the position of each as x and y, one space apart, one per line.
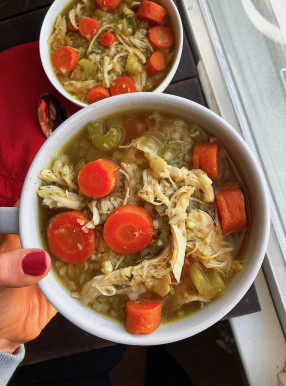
34 263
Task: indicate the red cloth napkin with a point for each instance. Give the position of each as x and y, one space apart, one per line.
22 81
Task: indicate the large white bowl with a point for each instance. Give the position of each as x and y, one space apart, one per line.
47 27
257 235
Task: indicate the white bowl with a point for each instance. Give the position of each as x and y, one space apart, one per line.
257 235
47 27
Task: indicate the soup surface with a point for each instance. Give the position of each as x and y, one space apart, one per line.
132 218
103 48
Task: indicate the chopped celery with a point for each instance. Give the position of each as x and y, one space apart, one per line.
150 144
132 65
125 29
100 140
211 286
85 70
170 152
78 167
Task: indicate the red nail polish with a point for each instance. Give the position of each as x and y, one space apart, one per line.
34 263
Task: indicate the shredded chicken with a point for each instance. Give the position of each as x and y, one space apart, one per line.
57 39
119 281
55 197
75 13
177 216
95 215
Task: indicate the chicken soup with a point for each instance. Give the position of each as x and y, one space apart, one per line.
101 48
145 217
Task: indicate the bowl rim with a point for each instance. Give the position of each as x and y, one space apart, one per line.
46 29
84 318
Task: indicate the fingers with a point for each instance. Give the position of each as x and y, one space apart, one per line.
23 267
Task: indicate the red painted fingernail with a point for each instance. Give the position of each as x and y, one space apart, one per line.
34 263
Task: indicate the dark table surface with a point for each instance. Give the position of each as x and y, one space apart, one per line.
20 22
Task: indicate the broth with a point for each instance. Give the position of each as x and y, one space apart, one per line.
180 201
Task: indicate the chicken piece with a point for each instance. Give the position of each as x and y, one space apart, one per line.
75 13
162 287
177 216
153 191
61 172
206 244
95 215
119 281
132 50
195 177
57 39
55 197
127 183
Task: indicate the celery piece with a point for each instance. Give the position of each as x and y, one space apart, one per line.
210 286
80 164
170 152
125 29
149 144
132 65
85 70
100 140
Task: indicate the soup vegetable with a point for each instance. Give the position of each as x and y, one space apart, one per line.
101 48
145 216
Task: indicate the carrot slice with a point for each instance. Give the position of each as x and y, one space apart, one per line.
122 85
98 178
97 93
161 37
134 128
231 209
106 39
69 239
143 317
206 157
128 229
88 27
65 59
155 63
151 12
109 4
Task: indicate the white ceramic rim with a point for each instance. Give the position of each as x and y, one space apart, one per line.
47 27
217 309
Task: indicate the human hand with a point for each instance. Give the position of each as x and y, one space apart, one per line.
24 309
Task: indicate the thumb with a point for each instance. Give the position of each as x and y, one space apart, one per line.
23 267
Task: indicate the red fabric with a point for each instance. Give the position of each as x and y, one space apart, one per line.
22 81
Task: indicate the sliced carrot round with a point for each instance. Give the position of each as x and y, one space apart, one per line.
206 157
122 85
97 93
128 229
134 128
88 27
65 59
98 178
152 12
155 63
69 239
161 37
144 316
109 4
231 209
106 39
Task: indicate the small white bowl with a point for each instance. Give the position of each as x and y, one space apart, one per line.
257 234
47 28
